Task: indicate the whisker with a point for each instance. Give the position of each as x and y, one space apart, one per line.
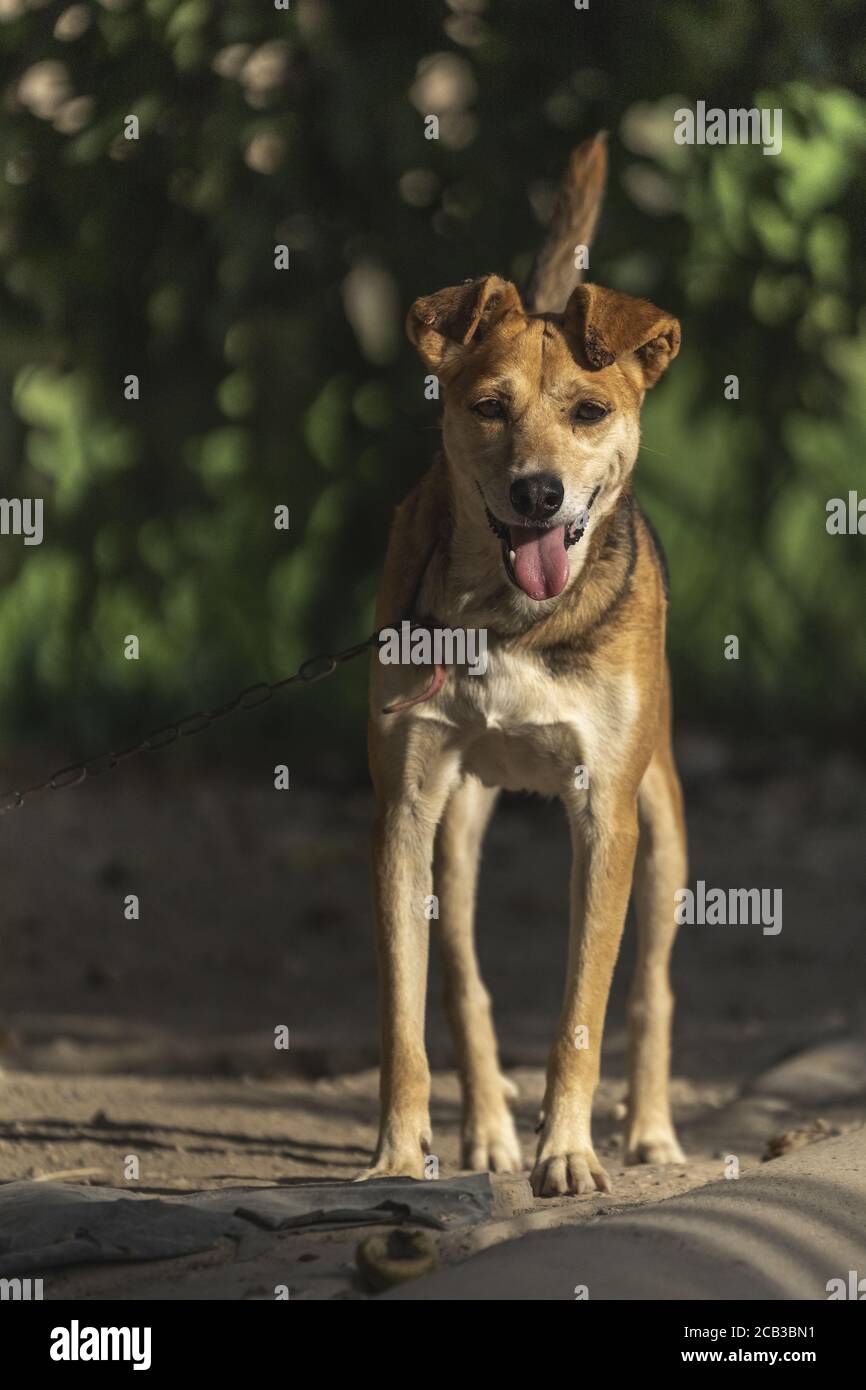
646 449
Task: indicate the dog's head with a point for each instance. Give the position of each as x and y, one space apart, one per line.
541 422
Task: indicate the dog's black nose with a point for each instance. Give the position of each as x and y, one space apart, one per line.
538 497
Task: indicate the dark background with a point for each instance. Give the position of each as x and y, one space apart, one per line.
261 387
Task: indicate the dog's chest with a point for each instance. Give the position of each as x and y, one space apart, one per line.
525 729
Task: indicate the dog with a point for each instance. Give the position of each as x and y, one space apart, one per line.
526 527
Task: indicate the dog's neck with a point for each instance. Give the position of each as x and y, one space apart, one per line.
465 585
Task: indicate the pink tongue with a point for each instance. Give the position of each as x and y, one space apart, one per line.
540 560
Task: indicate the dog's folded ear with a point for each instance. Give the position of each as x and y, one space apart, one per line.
443 325
603 326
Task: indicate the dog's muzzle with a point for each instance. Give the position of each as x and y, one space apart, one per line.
536 557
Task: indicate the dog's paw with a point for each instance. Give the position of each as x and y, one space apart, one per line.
403 1157
393 1168
490 1143
659 1148
570 1174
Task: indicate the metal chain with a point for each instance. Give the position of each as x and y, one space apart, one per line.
315 668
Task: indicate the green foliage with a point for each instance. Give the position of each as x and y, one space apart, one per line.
261 387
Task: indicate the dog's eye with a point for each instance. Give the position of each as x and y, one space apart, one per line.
490 409
589 411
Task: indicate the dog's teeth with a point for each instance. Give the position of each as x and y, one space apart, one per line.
512 556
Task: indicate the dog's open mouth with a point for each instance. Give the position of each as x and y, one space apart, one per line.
536 557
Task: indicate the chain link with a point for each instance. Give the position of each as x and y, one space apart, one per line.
315 668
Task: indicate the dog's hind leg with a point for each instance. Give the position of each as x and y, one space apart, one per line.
660 870
489 1139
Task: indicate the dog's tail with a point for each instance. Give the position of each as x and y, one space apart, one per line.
557 266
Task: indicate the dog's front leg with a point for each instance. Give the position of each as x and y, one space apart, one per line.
413 777
604 847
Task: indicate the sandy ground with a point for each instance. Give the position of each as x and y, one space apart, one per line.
791 1230
155 1037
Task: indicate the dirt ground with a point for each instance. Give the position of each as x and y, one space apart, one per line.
155 1037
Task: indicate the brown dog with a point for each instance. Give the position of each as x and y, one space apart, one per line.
526 527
